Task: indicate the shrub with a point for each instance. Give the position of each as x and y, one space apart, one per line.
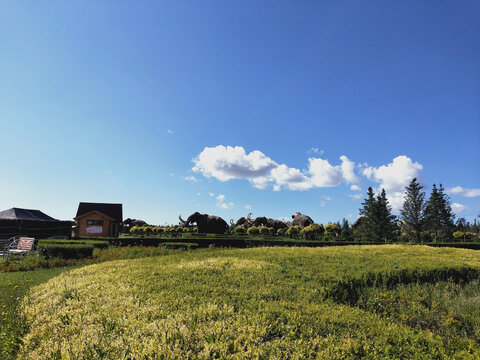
239 230
271 231
312 232
460 235
293 232
136 230
332 230
253 230
263 230
281 231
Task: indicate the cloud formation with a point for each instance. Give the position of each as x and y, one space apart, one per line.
222 204
226 163
394 177
458 190
191 178
458 208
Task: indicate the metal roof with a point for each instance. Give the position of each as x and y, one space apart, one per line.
25 214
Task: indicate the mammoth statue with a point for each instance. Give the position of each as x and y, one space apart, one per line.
246 222
269 222
207 223
182 222
301 220
128 223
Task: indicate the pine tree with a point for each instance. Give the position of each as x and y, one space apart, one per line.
438 213
386 221
367 228
446 213
378 223
413 209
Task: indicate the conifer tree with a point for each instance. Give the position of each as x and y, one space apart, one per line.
386 221
413 209
378 223
367 229
438 213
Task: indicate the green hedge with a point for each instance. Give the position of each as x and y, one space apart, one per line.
460 245
99 244
179 245
66 251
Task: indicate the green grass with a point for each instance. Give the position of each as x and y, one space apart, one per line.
371 302
13 286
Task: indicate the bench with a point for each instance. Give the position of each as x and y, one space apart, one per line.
22 245
4 247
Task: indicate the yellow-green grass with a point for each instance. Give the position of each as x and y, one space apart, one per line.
13 286
254 303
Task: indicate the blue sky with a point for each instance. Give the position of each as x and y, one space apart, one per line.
233 107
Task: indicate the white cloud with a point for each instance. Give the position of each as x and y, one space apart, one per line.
458 190
198 194
458 208
170 131
394 177
355 196
315 151
347 170
248 207
171 174
323 203
191 178
226 163
355 188
221 203
211 194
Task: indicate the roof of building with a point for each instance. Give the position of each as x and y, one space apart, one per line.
112 210
25 214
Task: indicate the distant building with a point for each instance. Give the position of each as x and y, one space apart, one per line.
99 219
32 223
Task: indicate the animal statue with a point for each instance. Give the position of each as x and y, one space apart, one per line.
128 223
269 222
182 222
301 220
246 222
207 223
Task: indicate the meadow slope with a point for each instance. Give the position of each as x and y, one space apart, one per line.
300 303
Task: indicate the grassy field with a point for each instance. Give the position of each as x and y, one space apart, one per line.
13 286
372 302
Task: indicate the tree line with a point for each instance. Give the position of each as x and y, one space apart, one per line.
421 219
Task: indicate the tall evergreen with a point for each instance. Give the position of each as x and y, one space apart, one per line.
385 218
413 209
439 217
378 223
367 212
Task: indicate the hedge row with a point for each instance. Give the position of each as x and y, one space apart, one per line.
239 241
99 244
66 251
70 249
179 245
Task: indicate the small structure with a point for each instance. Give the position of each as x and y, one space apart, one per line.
98 219
33 223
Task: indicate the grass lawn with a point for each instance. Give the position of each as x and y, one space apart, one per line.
370 302
13 286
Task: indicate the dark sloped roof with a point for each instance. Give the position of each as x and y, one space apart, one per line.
112 210
25 214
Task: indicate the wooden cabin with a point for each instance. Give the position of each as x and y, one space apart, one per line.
98 219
